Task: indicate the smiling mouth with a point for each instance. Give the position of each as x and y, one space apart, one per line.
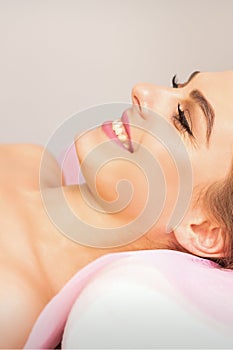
119 131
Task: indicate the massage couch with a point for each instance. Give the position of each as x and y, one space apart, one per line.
145 299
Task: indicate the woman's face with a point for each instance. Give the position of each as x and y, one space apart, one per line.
198 112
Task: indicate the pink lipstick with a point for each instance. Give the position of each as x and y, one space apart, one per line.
119 131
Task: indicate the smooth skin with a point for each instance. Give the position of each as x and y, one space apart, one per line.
37 260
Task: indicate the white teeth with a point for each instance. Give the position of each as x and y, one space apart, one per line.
122 137
118 128
116 123
118 131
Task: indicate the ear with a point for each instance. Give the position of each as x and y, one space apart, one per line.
201 236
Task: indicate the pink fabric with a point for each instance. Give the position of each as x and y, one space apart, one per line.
69 163
48 328
199 281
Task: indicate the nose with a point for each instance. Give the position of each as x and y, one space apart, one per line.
159 99
142 95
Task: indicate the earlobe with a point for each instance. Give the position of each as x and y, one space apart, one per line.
201 237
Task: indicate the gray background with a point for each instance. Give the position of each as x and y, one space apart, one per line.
61 56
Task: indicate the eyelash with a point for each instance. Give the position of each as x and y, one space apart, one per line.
175 82
180 118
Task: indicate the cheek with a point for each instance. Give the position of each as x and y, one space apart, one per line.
167 162
177 172
211 164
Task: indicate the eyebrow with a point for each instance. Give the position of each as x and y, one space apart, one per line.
207 109
199 98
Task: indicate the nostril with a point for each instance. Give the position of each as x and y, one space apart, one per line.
136 102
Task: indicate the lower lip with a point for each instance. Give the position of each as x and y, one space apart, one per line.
107 128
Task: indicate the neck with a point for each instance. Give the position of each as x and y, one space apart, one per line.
79 221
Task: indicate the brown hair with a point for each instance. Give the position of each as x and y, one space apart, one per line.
217 201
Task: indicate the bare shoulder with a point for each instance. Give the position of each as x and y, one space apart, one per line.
20 303
21 147
35 160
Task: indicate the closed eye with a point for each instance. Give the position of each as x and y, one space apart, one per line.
182 121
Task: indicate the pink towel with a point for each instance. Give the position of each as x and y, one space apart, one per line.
201 282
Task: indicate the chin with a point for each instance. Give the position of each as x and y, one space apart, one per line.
86 142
